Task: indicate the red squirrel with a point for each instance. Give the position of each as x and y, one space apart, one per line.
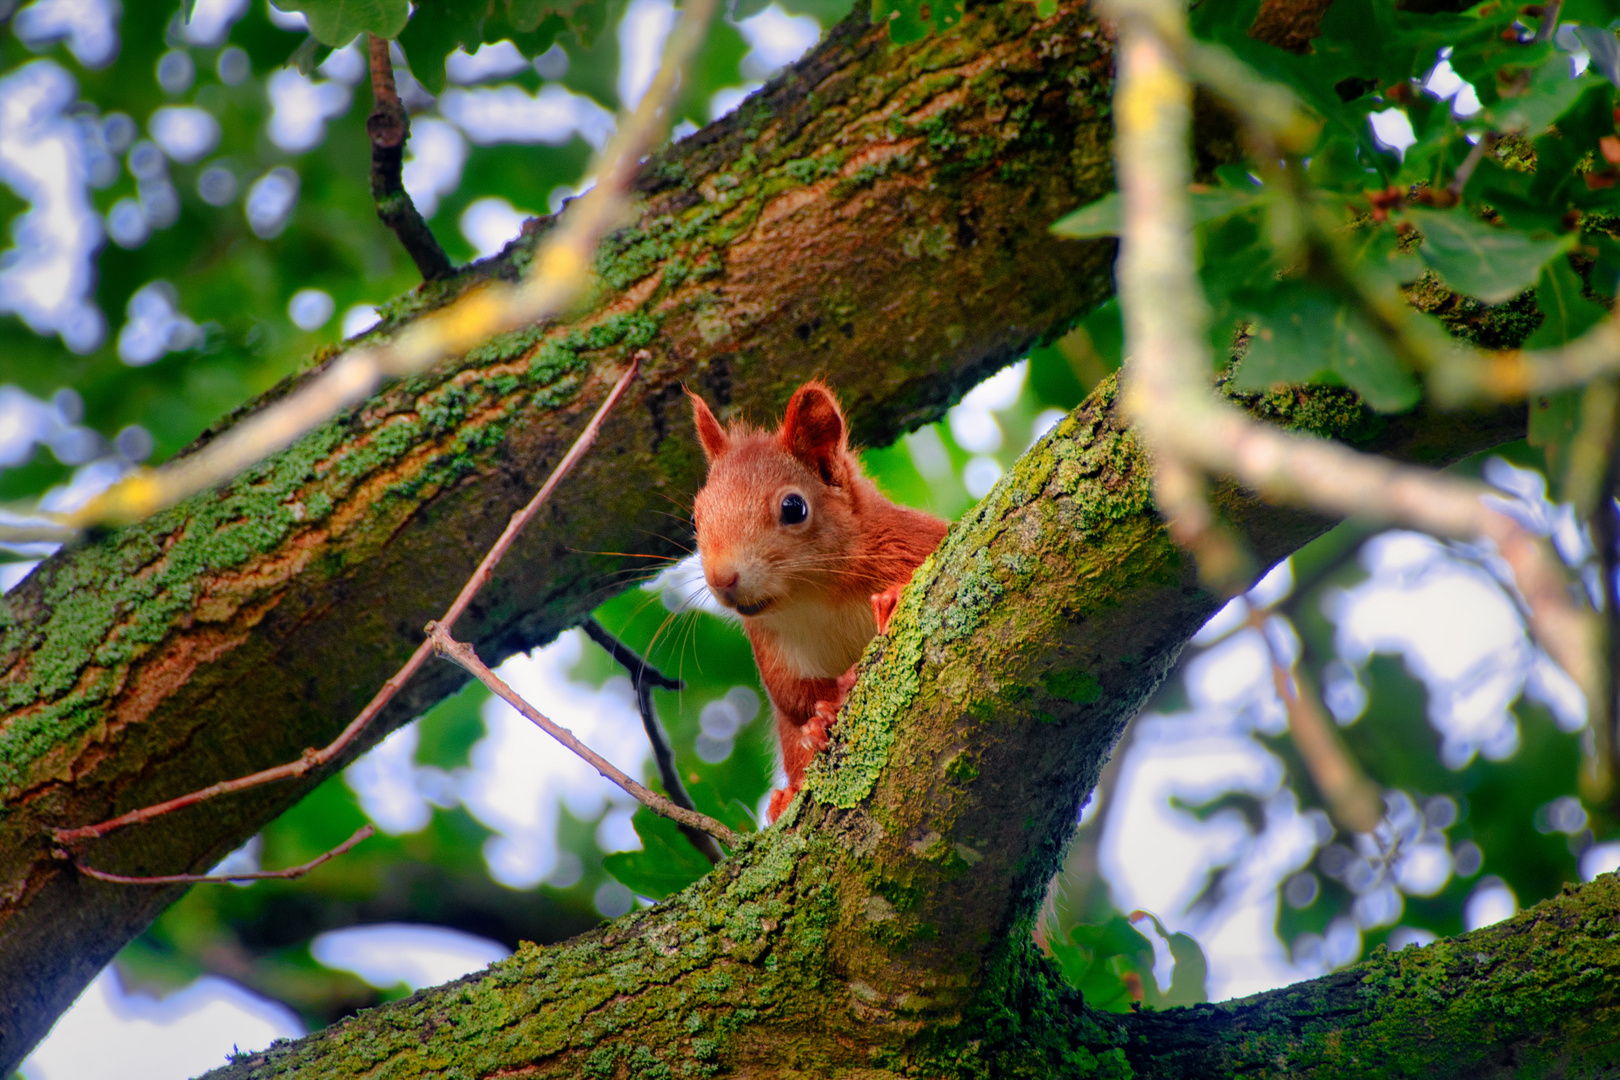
804 547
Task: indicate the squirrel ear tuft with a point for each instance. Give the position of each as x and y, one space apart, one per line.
813 431
713 437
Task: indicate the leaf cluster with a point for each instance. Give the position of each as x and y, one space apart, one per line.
1312 255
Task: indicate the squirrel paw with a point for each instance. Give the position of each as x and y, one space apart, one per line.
813 732
883 605
779 802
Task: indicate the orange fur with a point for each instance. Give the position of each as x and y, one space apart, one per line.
811 594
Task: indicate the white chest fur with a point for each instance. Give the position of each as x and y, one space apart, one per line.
821 641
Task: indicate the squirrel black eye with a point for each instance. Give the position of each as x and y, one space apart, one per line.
794 509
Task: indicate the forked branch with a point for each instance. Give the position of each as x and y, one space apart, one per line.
463 654
646 679
1167 379
313 759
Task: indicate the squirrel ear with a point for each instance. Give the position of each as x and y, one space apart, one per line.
713 437
813 431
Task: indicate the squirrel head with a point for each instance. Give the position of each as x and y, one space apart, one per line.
777 518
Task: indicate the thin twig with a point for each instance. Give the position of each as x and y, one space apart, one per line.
1167 380
641 672
365 832
560 273
1476 154
1352 800
1605 708
32 533
463 654
1549 21
389 126
315 758
646 679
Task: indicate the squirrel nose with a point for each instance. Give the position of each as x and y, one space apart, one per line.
723 577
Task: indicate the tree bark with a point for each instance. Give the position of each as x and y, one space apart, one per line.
876 215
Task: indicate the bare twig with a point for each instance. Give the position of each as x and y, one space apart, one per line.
1549 20
1604 709
312 759
1352 800
389 126
646 679
560 273
1476 154
365 832
32 533
641 672
463 654
1167 379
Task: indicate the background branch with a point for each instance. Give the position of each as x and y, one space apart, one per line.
646 679
463 654
365 832
389 126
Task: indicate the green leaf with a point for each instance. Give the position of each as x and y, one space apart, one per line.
1555 418
1110 963
1549 92
439 27
1103 217
912 20
666 863
1479 260
1189 984
1303 333
1515 196
1591 12
336 22
1567 313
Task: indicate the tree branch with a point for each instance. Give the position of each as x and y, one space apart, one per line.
389 126
1532 996
464 655
646 679
364 832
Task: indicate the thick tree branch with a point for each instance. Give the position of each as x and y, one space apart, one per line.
871 202
1534 996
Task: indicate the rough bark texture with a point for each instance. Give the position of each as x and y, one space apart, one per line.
1536 996
883 928
876 216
